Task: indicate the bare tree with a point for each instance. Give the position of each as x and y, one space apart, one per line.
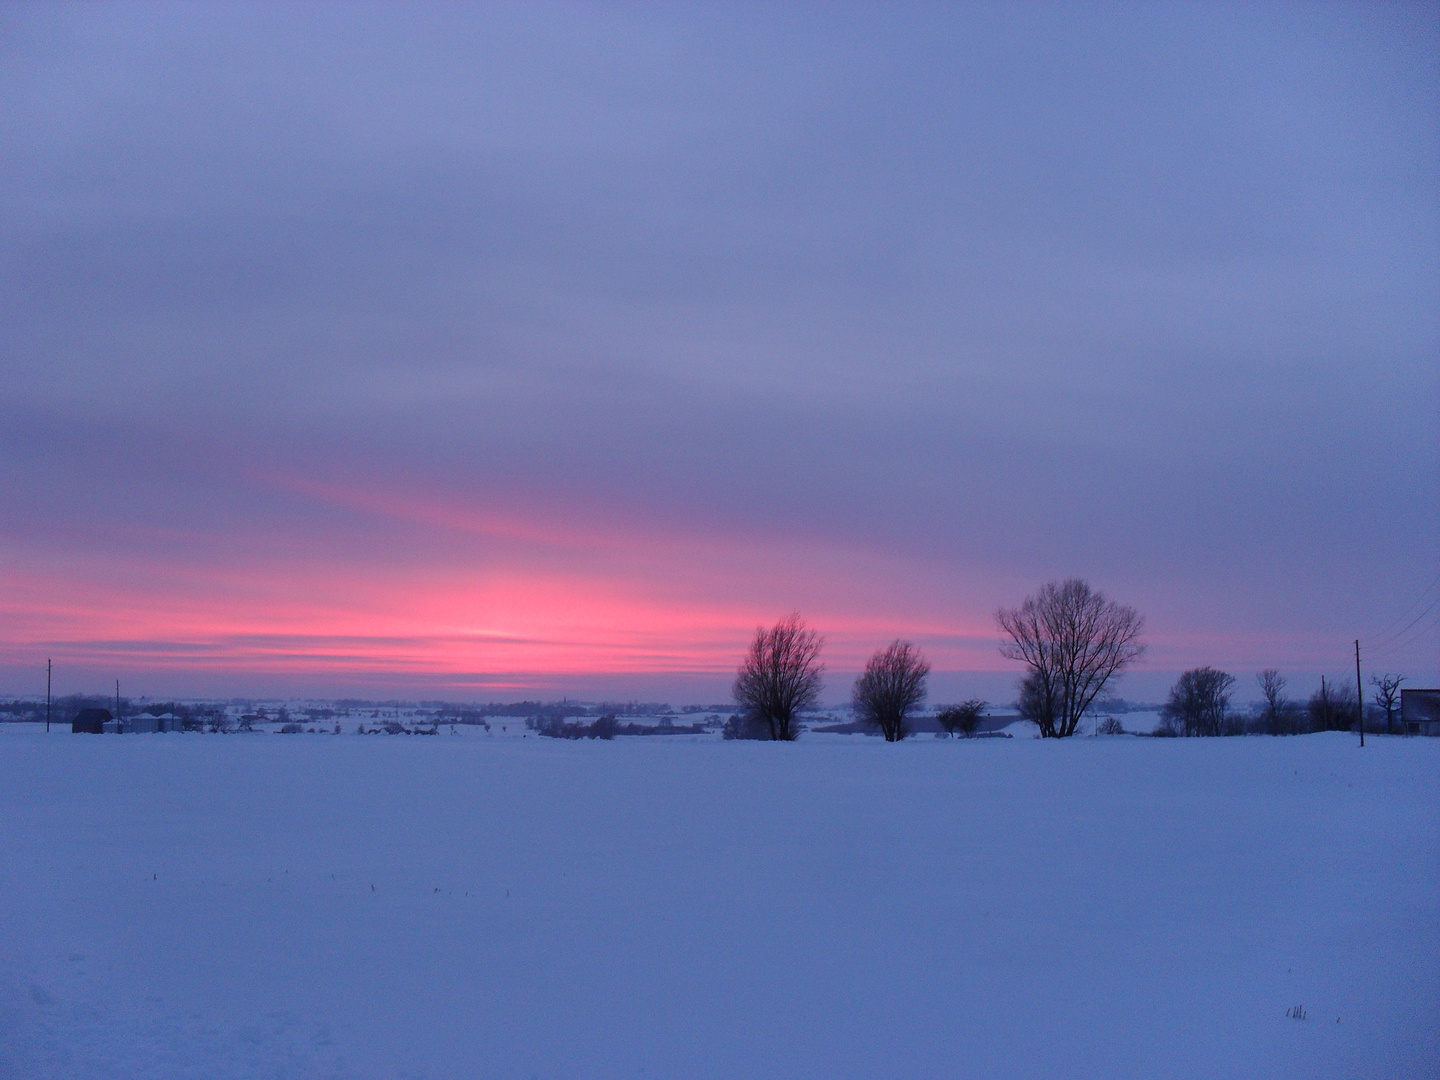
1073 641
1199 702
892 684
1036 703
780 676
1272 687
1387 696
963 718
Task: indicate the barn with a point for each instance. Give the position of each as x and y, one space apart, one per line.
1420 712
90 721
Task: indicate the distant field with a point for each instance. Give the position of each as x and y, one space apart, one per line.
227 906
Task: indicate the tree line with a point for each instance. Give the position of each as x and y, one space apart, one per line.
1199 704
1072 641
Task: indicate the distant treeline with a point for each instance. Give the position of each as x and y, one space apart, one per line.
33 709
1199 704
561 710
61 708
608 727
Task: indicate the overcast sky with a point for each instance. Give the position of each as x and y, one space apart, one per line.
473 353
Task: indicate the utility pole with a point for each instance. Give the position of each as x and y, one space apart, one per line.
117 705
47 695
1359 692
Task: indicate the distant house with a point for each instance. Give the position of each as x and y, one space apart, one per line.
1420 712
90 721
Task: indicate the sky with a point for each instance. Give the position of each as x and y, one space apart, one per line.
476 354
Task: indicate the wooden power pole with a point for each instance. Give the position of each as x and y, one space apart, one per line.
47 695
1359 692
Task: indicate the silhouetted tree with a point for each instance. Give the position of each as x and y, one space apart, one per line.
891 685
1333 707
1387 696
1073 641
1279 715
963 718
1199 702
604 727
780 676
1036 703
1272 688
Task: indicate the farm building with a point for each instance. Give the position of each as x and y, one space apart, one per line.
1420 712
90 721
100 721
146 722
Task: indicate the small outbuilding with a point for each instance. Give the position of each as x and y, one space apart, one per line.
90 721
145 722
148 722
1420 712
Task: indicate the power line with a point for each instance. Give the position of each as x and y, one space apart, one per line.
1390 638
1385 630
1400 645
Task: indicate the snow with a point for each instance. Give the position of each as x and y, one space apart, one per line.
466 906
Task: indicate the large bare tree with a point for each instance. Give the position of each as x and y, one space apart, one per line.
780 676
1387 696
1072 640
891 685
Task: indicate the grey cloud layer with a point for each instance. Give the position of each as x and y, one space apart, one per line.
1145 294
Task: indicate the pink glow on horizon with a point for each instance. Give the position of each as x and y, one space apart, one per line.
442 621
556 599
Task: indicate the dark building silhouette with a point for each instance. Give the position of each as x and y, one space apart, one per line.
90 721
1420 712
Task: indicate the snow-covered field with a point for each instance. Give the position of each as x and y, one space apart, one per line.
345 906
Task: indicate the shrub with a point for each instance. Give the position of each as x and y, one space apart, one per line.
1287 718
1333 707
963 718
604 727
745 725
